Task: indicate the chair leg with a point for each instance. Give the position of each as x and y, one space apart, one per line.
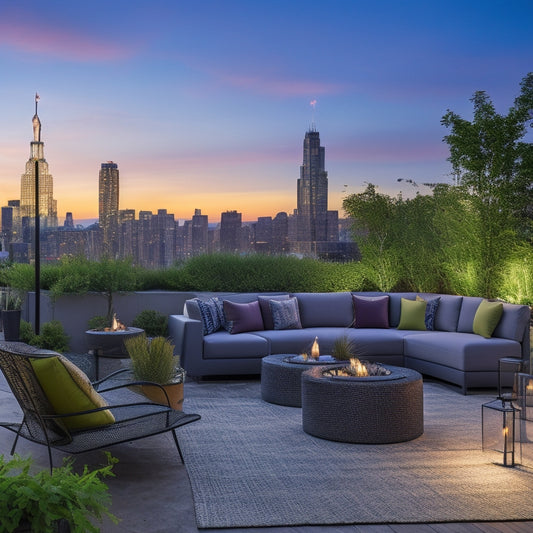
177 445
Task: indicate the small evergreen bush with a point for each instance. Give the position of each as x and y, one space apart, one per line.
154 323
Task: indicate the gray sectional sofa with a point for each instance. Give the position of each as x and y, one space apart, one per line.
450 351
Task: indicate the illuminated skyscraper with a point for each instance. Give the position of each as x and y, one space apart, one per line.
108 187
47 204
312 191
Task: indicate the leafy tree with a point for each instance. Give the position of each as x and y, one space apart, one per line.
495 168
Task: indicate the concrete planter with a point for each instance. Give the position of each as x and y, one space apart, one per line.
74 311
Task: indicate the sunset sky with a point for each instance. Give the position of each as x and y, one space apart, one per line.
205 104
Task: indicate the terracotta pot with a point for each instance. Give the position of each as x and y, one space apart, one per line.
173 390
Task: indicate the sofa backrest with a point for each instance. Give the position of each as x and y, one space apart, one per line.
325 309
512 325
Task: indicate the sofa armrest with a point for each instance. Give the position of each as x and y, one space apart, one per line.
187 336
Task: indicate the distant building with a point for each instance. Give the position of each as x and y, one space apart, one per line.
199 233
230 232
108 195
47 204
312 226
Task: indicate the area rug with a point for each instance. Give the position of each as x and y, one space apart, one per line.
250 464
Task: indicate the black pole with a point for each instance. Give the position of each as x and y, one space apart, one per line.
37 253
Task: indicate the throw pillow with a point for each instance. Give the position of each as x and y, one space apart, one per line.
371 311
243 317
69 390
431 311
486 319
412 314
266 312
210 313
285 314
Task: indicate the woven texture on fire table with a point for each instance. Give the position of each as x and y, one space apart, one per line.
364 411
281 380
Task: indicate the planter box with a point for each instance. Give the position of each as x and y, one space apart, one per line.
74 311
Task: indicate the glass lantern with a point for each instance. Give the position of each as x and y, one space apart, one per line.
498 431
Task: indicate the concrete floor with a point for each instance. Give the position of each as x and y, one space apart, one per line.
151 491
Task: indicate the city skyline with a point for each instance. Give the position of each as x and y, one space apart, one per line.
204 108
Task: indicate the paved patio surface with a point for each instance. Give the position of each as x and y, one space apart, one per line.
151 491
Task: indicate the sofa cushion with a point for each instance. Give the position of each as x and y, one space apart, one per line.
243 317
371 311
463 351
332 309
285 314
469 307
486 319
266 312
413 315
447 315
224 345
514 322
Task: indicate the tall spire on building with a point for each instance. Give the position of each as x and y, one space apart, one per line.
47 204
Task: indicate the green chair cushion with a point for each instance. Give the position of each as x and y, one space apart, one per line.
68 390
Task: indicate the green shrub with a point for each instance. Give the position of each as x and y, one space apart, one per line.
52 337
98 322
154 323
27 334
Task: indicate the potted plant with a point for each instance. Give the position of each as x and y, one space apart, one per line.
60 501
343 349
11 312
153 360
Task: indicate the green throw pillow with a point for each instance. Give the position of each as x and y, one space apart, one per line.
68 390
412 314
486 319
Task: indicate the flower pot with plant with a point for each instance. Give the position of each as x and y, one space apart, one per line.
153 361
11 312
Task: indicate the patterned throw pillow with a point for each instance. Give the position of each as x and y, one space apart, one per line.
209 311
431 311
285 314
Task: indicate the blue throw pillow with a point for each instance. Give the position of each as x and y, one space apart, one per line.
285 314
210 315
431 311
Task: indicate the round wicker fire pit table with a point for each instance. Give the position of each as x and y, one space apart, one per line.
368 410
281 379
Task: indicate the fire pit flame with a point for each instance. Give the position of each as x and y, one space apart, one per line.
358 369
116 325
315 350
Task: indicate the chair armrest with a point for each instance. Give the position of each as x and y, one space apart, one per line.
188 339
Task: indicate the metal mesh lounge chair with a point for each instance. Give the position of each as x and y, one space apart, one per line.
132 416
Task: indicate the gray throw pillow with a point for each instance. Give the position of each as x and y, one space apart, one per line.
285 314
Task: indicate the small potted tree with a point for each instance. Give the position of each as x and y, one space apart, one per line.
153 360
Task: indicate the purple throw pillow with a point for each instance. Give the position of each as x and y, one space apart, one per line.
243 317
371 311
